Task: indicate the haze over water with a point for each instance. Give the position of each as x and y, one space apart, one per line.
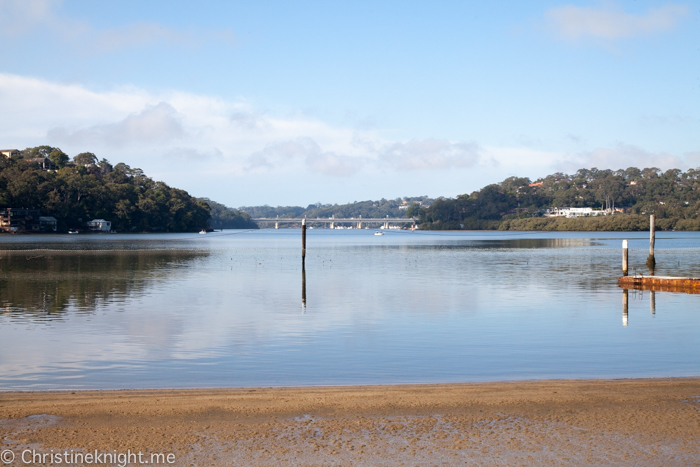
225 309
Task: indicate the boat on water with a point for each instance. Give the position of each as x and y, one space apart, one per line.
378 233
71 231
202 231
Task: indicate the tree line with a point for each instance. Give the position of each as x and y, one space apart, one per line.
85 188
367 209
519 203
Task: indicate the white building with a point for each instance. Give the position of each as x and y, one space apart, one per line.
9 152
573 212
99 225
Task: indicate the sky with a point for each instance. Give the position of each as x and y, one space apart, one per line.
294 103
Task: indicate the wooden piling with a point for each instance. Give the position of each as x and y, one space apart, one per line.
651 261
303 287
303 240
624 257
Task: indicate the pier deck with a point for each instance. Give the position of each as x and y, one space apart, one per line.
661 283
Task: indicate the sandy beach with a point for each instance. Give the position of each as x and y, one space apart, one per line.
574 422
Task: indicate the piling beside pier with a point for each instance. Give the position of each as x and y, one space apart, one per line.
651 261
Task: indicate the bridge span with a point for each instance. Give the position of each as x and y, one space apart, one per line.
332 222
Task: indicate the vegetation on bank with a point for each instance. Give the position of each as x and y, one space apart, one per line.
223 217
367 209
519 203
616 223
86 188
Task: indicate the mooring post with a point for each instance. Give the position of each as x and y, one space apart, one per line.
652 302
625 299
652 235
651 261
303 239
624 258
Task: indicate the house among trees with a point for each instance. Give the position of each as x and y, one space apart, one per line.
9 152
48 223
20 220
99 225
43 162
573 212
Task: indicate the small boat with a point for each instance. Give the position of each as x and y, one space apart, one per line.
202 231
378 233
71 231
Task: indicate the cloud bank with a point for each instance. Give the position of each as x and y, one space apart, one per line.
622 156
154 124
28 17
201 142
609 22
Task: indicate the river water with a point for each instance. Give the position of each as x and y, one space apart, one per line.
225 309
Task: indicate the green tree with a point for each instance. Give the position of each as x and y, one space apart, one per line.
58 158
85 158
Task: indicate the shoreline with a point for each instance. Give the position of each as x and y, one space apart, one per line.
648 421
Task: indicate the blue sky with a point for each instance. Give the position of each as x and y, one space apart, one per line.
299 102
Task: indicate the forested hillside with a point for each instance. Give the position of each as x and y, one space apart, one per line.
518 203
382 208
86 188
223 217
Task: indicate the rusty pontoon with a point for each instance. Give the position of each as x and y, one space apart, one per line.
661 283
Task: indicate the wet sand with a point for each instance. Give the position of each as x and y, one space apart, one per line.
576 422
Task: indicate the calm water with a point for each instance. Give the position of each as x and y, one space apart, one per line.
225 309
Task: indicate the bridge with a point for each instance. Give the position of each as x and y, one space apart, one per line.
357 222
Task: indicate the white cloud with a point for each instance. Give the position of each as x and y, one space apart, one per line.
155 124
28 17
430 154
692 160
620 156
17 16
328 163
306 150
609 22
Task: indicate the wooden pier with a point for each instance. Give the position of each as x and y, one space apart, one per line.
661 283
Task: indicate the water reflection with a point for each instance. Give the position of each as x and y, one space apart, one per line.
44 285
673 288
639 295
398 308
500 244
303 287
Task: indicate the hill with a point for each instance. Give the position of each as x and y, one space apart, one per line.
223 217
85 188
367 209
521 204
